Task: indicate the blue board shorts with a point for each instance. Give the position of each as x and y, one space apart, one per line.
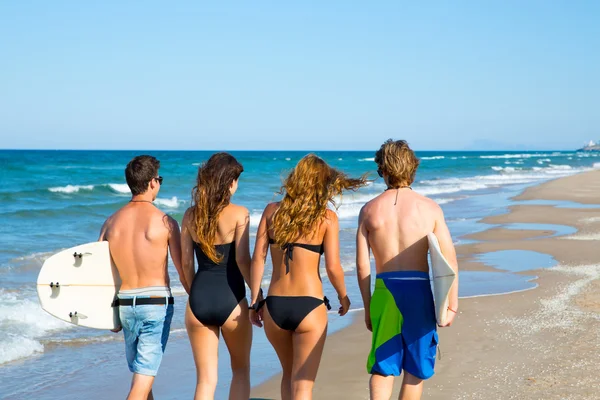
404 325
146 328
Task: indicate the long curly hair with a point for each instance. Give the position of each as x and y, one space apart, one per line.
307 190
210 196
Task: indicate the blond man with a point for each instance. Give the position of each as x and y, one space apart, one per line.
400 312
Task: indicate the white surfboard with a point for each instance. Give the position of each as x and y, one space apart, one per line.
78 285
443 278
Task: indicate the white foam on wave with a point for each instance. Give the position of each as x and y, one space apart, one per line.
526 155
119 188
71 188
349 211
173 202
506 169
23 322
559 167
433 158
444 200
507 176
349 204
255 216
367 159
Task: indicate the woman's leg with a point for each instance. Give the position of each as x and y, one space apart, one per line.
237 332
308 342
282 343
205 346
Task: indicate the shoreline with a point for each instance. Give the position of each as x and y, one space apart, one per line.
509 345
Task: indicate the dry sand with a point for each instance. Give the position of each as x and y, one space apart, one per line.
536 344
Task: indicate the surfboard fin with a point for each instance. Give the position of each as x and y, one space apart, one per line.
75 314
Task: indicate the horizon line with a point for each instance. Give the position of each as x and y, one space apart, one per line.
289 150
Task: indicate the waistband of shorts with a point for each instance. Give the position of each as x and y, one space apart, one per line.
404 275
148 291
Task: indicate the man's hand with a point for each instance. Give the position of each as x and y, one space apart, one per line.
368 320
117 329
450 315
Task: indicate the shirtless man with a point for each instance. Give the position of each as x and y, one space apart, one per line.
401 313
139 236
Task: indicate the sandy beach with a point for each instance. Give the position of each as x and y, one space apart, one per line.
535 344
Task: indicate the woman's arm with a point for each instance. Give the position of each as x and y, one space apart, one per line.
257 269
261 249
242 243
333 266
187 253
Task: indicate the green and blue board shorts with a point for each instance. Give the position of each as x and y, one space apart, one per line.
404 325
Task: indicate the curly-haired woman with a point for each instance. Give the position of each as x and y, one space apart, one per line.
298 229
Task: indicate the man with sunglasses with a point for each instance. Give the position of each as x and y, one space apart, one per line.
400 311
139 237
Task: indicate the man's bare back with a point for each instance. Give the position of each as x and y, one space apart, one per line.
396 224
139 237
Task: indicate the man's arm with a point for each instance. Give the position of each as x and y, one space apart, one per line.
444 237
363 266
101 238
103 231
175 246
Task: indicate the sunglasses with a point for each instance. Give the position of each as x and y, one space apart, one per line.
380 172
159 179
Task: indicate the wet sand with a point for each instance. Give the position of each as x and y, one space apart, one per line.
535 344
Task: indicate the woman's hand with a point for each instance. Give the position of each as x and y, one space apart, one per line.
344 305
256 318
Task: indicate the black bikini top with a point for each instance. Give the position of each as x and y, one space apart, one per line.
289 251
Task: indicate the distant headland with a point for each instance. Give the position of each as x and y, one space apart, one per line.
591 146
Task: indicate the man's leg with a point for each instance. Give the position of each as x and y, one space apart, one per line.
412 387
141 387
152 340
381 387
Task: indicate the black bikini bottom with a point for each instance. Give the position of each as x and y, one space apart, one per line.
289 311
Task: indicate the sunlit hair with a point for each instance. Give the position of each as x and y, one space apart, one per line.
398 161
307 190
210 196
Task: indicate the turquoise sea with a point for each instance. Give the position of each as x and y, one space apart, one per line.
52 200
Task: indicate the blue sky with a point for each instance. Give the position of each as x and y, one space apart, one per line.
316 75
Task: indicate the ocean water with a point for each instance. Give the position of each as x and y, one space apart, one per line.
52 200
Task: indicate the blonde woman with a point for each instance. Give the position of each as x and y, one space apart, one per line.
298 229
